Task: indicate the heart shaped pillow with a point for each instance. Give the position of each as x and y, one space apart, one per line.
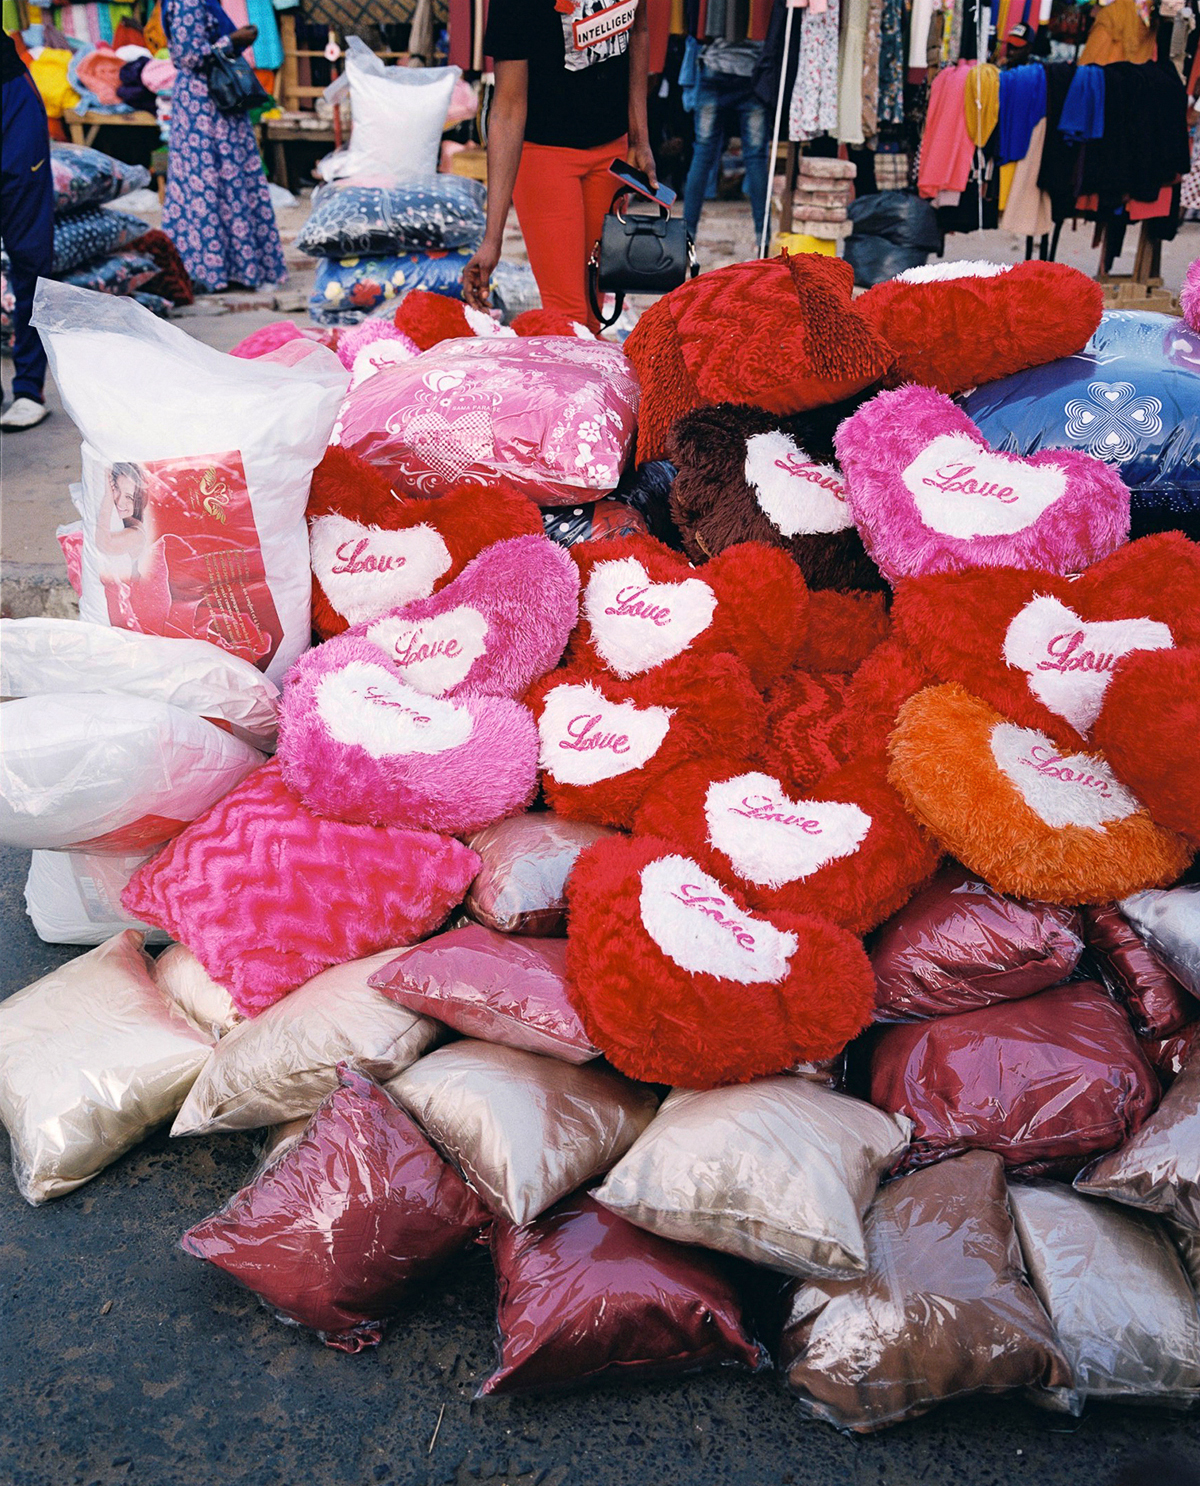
929 495
1149 729
955 325
846 850
744 475
358 744
1031 820
501 624
605 743
373 550
677 982
643 605
1043 649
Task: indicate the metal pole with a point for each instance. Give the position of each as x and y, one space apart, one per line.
783 72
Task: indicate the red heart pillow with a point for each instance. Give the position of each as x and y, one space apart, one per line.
846 850
1043 649
1031 820
1149 728
605 743
679 983
642 606
373 549
843 629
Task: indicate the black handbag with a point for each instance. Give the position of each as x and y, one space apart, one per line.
232 85
638 254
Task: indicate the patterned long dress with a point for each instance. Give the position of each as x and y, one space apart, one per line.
217 207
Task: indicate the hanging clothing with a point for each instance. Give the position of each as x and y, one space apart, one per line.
870 71
1060 156
981 102
946 147
1027 210
891 63
918 33
1022 104
1082 114
775 72
814 105
851 47
1119 34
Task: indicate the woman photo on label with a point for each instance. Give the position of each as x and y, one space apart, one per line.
121 536
571 84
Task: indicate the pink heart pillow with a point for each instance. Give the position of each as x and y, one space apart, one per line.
266 894
929 495
357 743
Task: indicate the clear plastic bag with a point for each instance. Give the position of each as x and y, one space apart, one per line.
1170 923
352 218
86 177
74 897
522 886
1157 1002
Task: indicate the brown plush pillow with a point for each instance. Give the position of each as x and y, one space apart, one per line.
944 1309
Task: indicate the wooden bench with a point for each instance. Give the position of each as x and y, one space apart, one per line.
83 128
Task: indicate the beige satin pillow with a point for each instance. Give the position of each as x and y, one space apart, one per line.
779 1171
281 1064
181 978
92 1058
523 1129
1118 1295
1158 1168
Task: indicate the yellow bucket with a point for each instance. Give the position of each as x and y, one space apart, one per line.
803 242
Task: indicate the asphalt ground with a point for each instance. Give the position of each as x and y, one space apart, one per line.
125 1361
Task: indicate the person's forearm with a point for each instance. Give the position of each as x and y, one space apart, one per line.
506 136
639 77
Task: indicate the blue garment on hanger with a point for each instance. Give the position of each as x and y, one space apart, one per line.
689 74
1083 108
268 49
1022 107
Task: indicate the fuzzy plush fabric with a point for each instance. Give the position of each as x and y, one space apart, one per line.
428 318
643 606
846 850
744 475
605 743
358 744
843 629
782 335
373 550
499 626
679 983
266 894
1042 649
1149 729
929 495
1189 295
1028 819
352 340
549 322
953 334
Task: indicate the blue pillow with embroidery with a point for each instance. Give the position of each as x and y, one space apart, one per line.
345 289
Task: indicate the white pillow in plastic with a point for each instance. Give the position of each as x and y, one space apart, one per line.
196 471
40 656
74 897
398 117
115 774
185 982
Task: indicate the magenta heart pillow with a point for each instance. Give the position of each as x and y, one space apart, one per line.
929 495
266 894
357 743
502 623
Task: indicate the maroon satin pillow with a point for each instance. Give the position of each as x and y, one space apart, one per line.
586 1296
959 945
1167 1055
521 886
1046 1082
1158 1003
335 1232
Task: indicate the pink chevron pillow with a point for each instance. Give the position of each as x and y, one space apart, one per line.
499 626
357 743
266 894
929 495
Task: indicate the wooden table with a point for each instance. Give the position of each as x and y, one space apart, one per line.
83 128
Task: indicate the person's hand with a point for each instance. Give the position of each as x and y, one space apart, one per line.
642 156
477 276
243 37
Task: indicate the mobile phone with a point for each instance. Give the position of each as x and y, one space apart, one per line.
639 181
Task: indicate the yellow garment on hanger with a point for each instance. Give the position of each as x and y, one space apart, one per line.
1006 179
678 20
1119 34
981 102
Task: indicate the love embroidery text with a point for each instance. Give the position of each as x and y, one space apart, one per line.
354 558
1054 766
955 479
762 807
1065 655
693 896
583 738
629 604
813 474
410 651
381 699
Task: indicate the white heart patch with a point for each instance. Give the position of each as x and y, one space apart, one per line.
366 705
365 570
375 356
770 839
963 489
433 654
796 496
693 921
586 738
1069 660
1064 789
636 624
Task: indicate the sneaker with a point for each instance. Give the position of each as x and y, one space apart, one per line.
23 412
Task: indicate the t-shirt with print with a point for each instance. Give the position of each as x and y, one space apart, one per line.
578 66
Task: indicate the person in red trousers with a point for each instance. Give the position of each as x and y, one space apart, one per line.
571 82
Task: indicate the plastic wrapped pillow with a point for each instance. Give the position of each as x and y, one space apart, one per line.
1169 1055
779 1172
74 897
595 521
89 235
92 1059
585 1298
354 1215
525 1130
419 214
1118 1295
344 289
1170 923
399 114
943 1311
185 982
282 1064
86 177
122 272
1157 1002
527 859
491 986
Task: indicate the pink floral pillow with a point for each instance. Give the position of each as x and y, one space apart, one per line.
266 894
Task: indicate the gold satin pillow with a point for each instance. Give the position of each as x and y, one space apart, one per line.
779 1171
181 978
1118 1295
281 1064
92 1058
522 1128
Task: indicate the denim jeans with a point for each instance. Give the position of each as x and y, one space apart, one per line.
727 105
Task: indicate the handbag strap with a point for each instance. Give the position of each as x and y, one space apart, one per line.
593 264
